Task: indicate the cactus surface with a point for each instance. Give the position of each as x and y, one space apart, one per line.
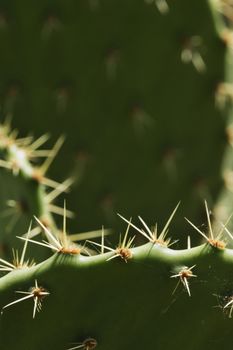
153 78
129 297
134 89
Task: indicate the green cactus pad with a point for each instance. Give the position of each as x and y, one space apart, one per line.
129 305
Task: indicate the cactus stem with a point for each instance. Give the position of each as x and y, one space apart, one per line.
225 8
223 94
229 133
227 37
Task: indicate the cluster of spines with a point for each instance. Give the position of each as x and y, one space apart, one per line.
124 251
20 153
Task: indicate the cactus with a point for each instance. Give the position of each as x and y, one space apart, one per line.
134 294
108 76
23 193
128 297
27 191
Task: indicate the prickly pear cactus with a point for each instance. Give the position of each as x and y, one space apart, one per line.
173 118
127 297
133 85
